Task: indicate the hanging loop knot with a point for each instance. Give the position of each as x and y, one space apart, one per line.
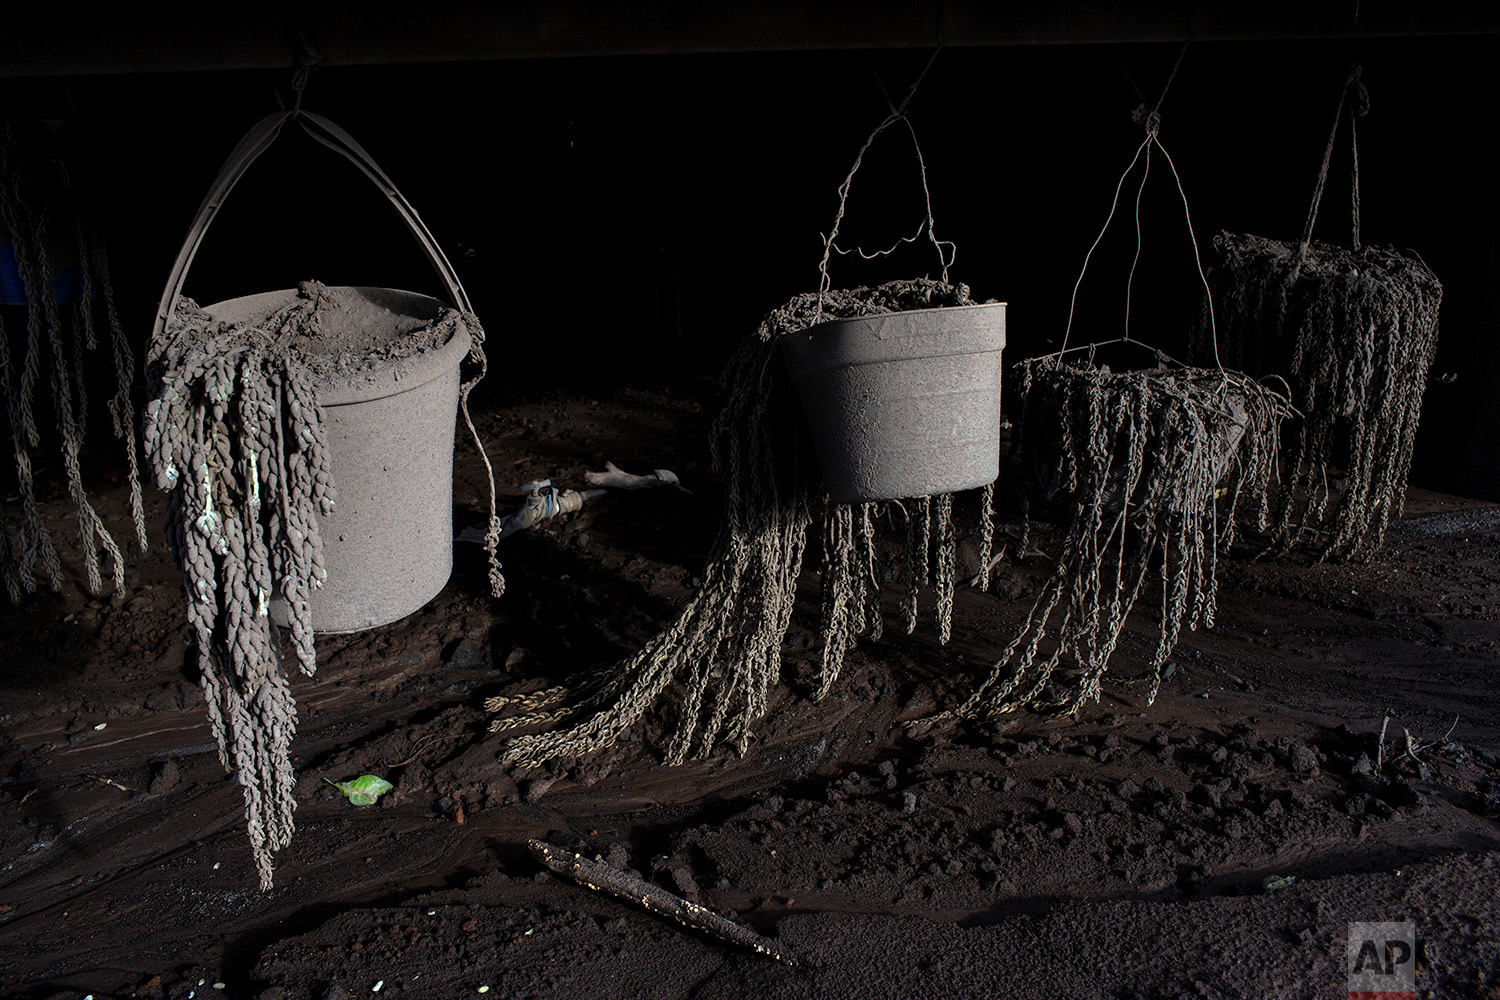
1361 98
306 57
1147 118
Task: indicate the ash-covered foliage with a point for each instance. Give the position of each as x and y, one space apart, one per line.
724 648
236 438
1151 466
1354 333
56 244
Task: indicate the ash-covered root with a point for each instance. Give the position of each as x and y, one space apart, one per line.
725 645
1354 332
1153 464
602 878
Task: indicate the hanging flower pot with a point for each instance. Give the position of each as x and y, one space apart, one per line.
902 402
1354 332
305 441
1149 466
901 384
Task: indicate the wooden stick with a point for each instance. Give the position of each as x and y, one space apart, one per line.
601 877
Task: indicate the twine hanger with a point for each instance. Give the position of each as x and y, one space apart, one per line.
1355 93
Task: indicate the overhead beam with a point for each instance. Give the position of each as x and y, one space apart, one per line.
65 40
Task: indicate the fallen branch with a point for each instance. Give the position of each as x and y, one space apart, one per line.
599 876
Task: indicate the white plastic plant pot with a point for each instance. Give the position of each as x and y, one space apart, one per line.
388 544
903 404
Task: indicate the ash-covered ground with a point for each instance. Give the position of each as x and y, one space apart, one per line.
1215 844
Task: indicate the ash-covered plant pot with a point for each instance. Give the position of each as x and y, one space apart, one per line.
1157 442
385 367
1191 419
903 404
1148 467
304 439
902 382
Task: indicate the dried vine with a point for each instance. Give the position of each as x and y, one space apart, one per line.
725 645
1153 465
41 210
1354 332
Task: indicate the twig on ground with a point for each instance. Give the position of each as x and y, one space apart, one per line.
1416 747
1380 744
422 744
979 578
601 877
109 781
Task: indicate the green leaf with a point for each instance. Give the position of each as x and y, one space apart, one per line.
1275 883
364 790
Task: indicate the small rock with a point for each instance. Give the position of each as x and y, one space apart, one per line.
165 775
536 789
466 654
1362 765
188 695
1302 758
686 885
909 802
1399 792
78 738
1205 795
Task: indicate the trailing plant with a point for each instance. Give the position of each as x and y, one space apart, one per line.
1354 332
1151 466
236 437
55 240
724 647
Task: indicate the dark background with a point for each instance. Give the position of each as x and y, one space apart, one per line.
613 216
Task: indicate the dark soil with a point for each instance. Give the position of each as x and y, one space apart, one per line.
1216 844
